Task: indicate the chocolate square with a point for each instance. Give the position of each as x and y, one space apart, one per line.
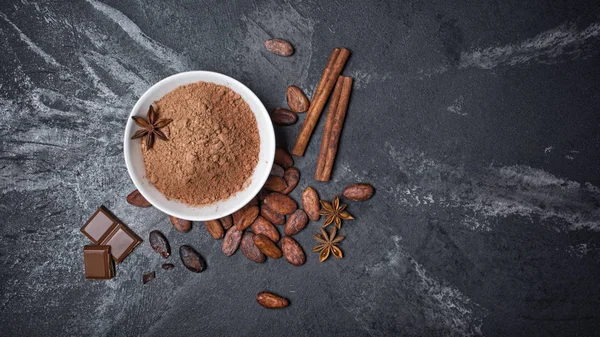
97 262
99 225
121 241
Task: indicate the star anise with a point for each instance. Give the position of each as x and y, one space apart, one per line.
150 127
327 244
334 213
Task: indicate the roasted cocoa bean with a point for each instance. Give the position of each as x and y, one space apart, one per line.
231 241
250 250
159 243
296 99
135 198
283 158
280 203
247 217
292 177
279 47
275 184
214 228
191 259
226 222
271 301
277 170
358 192
262 194
253 201
273 217
181 224
263 226
283 117
310 203
268 247
292 251
295 222
237 215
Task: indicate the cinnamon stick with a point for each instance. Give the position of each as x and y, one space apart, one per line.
336 130
330 62
334 67
331 113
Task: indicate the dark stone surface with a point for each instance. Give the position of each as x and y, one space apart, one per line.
477 122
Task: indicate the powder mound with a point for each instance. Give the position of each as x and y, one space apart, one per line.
213 144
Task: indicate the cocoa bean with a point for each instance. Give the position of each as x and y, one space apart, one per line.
292 177
135 198
181 224
191 259
296 99
263 226
358 192
295 222
273 217
271 301
262 194
283 158
231 241
292 251
250 250
159 243
237 215
277 170
275 184
226 222
268 247
247 217
283 117
280 203
214 228
168 266
253 201
279 47
310 203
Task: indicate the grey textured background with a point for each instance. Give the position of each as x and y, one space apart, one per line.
477 122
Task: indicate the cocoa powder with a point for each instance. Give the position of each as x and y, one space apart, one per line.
213 144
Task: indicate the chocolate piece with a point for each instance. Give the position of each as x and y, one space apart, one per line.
121 241
148 277
99 225
105 229
97 262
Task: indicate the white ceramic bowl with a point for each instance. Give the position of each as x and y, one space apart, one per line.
135 163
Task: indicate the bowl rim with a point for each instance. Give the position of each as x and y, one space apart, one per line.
218 212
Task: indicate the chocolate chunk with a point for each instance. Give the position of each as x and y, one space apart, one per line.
99 225
168 266
98 263
148 277
122 241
